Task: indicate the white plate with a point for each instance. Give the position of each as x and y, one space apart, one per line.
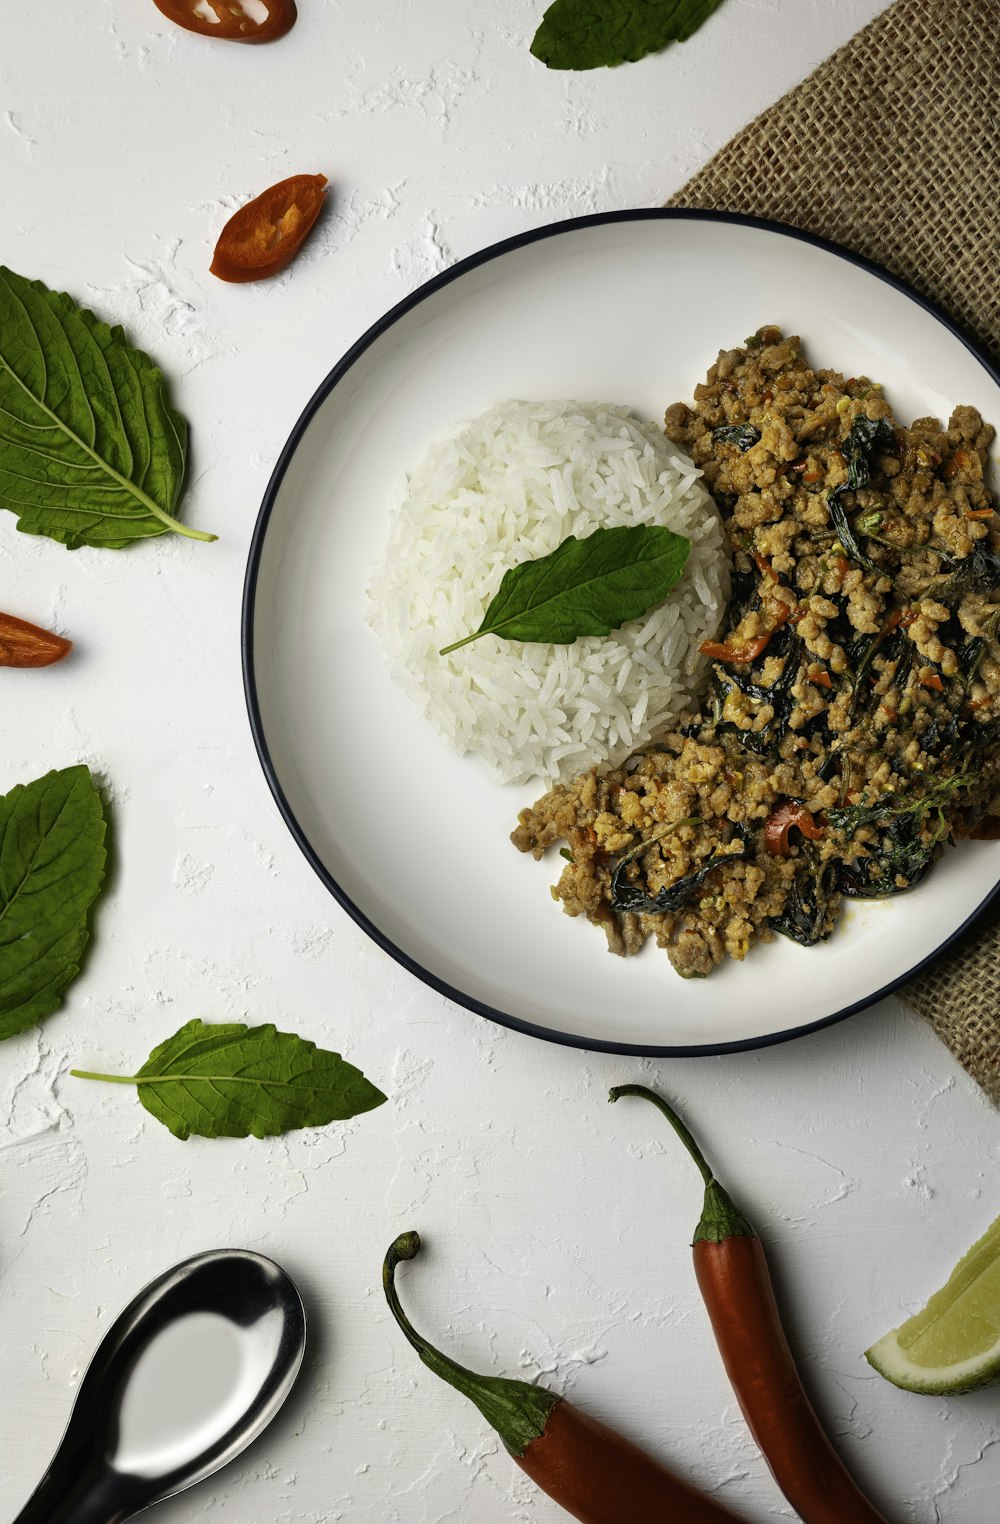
413 840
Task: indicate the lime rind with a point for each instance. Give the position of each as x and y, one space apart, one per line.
892 1362
952 1344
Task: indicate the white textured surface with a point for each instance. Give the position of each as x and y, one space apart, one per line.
556 1227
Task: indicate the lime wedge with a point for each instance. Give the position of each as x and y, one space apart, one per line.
953 1344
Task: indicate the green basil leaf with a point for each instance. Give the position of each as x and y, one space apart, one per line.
590 34
227 1080
90 451
585 587
51 867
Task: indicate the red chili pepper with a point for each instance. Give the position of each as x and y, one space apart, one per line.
25 645
979 513
821 679
933 681
747 650
782 819
958 462
232 23
736 1287
265 235
592 1472
765 568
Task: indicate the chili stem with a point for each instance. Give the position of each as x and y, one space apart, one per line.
686 1137
515 1409
721 1218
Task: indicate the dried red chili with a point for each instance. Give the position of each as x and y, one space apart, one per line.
747 650
265 235
736 1287
821 679
934 682
233 23
787 816
588 1469
25 645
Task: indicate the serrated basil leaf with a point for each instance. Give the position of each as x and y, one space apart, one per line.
585 587
51 867
590 34
90 451
227 1080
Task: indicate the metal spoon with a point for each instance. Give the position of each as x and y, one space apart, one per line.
182 1382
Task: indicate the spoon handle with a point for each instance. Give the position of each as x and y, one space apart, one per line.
81 1500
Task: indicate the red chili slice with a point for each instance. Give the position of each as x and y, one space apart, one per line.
233 23
265 235
782 819
748 650
934 682
25 645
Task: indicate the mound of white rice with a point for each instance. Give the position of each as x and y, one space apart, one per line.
509 487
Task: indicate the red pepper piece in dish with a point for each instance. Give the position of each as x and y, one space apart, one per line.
265 235
747 650
233 21
782 819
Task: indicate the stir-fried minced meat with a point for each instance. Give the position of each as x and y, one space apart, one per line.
849 729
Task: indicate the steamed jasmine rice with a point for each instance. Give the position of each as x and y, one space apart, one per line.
510 486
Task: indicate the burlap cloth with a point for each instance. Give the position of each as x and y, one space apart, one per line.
892 147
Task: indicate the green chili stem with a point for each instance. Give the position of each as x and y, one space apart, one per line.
720 1218
515 1409
686 1137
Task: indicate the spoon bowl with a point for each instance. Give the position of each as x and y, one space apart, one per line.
188 1376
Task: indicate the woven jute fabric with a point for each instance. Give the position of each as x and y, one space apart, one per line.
892 148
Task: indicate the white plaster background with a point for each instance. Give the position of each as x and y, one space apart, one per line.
556 1228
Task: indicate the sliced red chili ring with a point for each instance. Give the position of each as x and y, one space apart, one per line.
233 23
783 818
264 236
